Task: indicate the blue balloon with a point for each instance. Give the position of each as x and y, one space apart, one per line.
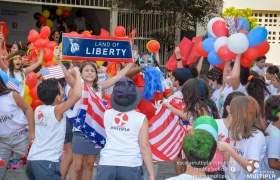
214 59
256 36
208 44
243 24
15 81
209 35
4 76
208 128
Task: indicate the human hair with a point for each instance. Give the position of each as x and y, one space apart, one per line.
260 58
228 101
197 98
21 46
244 74
215 74
257 88
199 148
3 88
272 70
181 75
277 75
255 74
11 59
95 82
193 71
246 119
272 108
48 90
66 65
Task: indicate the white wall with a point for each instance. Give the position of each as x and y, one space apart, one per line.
20 14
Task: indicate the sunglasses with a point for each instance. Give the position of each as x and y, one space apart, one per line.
148 62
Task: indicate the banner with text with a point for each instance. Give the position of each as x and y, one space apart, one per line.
96 48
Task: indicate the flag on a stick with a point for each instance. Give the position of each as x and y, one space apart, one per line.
52 72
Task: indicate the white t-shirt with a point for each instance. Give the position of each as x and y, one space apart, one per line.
122 143
252 148
224 93
272 89
187 177
20 76
272 151
216 95
260 71
12 118
49 133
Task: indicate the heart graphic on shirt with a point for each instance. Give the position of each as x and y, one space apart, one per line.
121 119
40 116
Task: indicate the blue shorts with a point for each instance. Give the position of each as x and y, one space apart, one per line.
43 170
105 172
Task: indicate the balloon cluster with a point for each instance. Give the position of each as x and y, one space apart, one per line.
30 90
6 79
229 37
41 41
50 14
209 124
153 46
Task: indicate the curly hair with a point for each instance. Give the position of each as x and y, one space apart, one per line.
199 148
197 98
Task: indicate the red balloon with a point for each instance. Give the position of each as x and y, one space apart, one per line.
45 32
40 43
251 54
51 45
73 32
245 63
36 103
153 46
33 93
221 66
119 31
50 64
42 19
200 50
219 28
66 14
263 48
225 54
243 31
48 55
31 80
33 35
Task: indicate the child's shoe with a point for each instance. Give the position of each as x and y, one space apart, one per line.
15 163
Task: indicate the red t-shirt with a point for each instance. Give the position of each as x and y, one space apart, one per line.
146 107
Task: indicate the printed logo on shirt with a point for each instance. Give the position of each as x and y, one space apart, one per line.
4 118
120 120
40 116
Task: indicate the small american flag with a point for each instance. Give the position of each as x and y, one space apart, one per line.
12 85
52 72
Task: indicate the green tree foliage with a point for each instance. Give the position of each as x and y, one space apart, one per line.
246 13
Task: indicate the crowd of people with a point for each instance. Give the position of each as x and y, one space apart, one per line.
244 102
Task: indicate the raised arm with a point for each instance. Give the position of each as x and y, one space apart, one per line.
110 82
2 65
235 73
76 95
178 57
199 66
69 79
37 63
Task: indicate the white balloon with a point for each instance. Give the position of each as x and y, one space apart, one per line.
210 24
238 43
223 40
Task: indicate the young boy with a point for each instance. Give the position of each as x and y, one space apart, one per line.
271 163
199 149
50 126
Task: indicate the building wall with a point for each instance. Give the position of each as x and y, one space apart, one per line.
268 14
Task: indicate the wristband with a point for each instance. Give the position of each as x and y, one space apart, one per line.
179 59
